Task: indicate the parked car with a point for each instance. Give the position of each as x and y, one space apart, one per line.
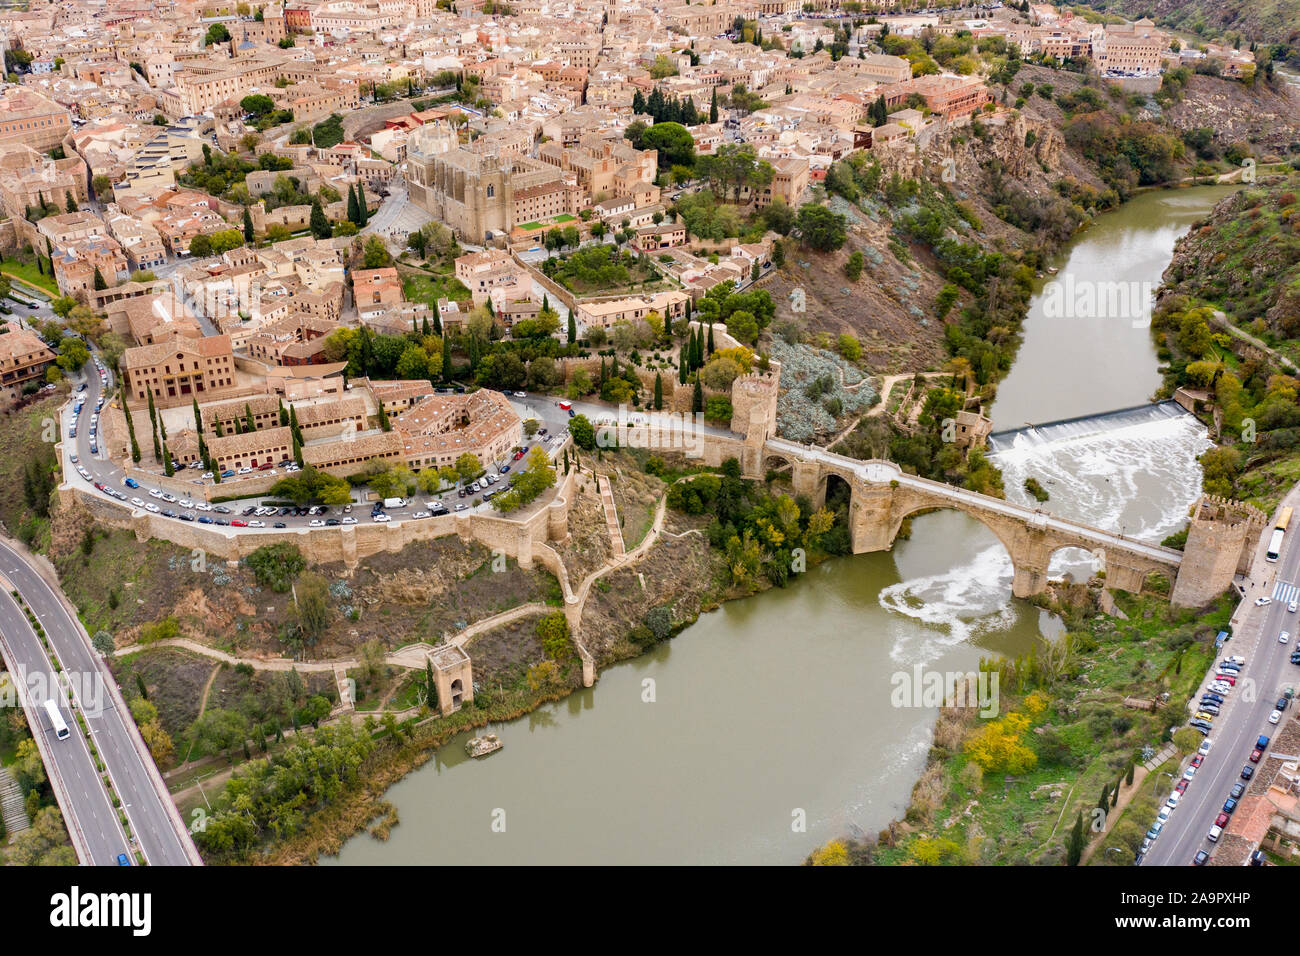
1284 637
1230 805
1247 772
1263 601
1237 790
1255 755
1201 858
1181 786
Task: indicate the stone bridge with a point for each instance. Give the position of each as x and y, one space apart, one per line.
882 496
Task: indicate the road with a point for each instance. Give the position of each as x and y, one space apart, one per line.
105 472
153 817
92 822
1245 714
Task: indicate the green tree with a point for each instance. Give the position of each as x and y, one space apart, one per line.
320 224
248 225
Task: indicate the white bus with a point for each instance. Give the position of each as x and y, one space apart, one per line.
57 722
1274 546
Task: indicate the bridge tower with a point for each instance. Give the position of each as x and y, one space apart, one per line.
1221 542
753 414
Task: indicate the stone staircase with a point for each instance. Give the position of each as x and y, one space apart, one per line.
13 810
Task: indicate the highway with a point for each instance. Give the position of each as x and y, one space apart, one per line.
91 820
154 820
1267 673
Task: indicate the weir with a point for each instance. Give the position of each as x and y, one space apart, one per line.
1084 426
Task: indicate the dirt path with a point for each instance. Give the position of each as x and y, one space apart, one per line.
207 689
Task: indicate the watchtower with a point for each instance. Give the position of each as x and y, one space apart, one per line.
1221 542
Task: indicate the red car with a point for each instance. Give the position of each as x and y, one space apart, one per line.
1182 785
1221 820
1197 760
1255 755
518 455
237 523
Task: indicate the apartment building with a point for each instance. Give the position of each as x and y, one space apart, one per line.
34 120
24 357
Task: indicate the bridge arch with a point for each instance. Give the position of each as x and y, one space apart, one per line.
999 532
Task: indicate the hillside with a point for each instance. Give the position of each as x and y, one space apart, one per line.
1258 21
1245 259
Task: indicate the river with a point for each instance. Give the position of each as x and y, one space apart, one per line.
772 727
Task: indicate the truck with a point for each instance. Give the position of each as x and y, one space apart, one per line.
566 406
394 503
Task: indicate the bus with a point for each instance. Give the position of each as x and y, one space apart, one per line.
56 720
1279 531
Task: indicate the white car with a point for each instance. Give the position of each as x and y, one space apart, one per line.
1205 747
1164 814
316 523
257 524
170 499
1284 637
1274 717
1172 802
152 507
1189 773
1293 606
1237 659
244 471
381 517
349 520
155 493
1263 601
138 502
420 514
521 394
185 503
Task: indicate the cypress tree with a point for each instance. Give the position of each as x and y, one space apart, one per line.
1074 848
153 426
248 226
99 282
1104 801
130 430
681 366
384 423
424 327
320 223
248 418
284 415
697 396
168 470
659 392
1128 777
713 107
353 215
710 338
573 328
363 214
446 359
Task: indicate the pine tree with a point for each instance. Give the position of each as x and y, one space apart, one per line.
249 234
659 392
